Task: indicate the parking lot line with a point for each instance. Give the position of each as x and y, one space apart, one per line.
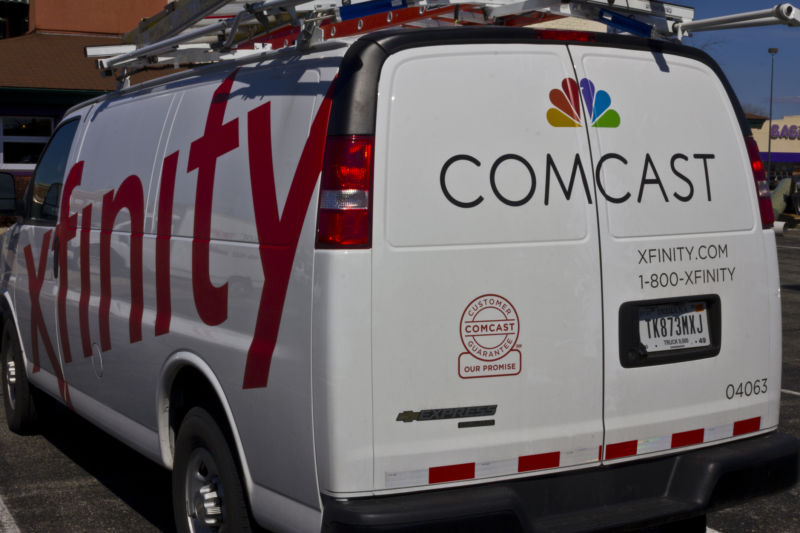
793 393
789 247
7 523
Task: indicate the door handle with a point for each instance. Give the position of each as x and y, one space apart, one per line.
55 257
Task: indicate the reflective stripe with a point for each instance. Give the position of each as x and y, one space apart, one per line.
687 438
489 469
681 439
443 474
747 426
621 449
549 460
540 461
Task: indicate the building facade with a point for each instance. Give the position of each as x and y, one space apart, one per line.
45 70
780 146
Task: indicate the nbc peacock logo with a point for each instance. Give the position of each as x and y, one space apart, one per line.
567 102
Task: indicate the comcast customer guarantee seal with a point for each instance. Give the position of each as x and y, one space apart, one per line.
489 331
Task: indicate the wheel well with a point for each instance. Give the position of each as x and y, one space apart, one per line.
190 388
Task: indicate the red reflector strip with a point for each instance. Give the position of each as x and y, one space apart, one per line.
687 438
583 456
746 426
443 474
621 449
539 461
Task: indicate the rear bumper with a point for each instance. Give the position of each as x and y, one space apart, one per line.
635 494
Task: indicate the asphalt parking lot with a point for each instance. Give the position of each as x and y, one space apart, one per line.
780 513
75 478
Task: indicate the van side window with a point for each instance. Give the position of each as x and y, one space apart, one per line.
45 188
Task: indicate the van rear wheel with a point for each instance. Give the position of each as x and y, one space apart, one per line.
18 394
207 494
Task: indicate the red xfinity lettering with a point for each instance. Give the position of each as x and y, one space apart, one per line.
131 197
218 139
38 327
276 260
166 195
86 288
278 236
65 232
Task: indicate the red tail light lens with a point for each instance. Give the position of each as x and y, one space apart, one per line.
345 219
762 186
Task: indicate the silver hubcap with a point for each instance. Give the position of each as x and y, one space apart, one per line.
204 505
11 381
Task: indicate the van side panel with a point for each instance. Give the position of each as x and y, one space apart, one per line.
104 354
266 119
679 224
342 370
189 197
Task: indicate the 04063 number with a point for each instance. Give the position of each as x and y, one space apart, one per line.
746 388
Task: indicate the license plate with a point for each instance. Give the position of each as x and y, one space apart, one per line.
674 326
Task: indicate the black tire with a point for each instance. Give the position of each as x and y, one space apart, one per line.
18 394
207 493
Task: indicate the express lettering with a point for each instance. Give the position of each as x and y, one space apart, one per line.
684 174
210 301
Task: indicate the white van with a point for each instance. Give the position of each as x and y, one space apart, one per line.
420 278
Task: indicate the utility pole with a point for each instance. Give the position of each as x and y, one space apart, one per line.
772 52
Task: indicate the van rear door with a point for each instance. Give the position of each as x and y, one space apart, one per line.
690 296
486 337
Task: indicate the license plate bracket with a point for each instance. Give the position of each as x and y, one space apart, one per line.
669 330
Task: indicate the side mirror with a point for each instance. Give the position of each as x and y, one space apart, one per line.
8 194
50 205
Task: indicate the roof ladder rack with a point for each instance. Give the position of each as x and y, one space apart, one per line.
203 31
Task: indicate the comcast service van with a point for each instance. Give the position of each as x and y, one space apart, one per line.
516 279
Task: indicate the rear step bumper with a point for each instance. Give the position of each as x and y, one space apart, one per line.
635 494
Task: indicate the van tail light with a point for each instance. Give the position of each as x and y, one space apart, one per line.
344 219
762 186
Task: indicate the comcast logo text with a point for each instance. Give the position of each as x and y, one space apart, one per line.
567 102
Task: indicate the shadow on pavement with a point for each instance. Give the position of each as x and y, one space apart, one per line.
140 483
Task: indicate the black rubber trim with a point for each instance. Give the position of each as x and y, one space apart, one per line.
356 92
636 494
632 352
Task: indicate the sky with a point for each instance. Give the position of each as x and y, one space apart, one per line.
743 56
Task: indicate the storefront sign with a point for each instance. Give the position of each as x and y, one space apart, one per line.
785 132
